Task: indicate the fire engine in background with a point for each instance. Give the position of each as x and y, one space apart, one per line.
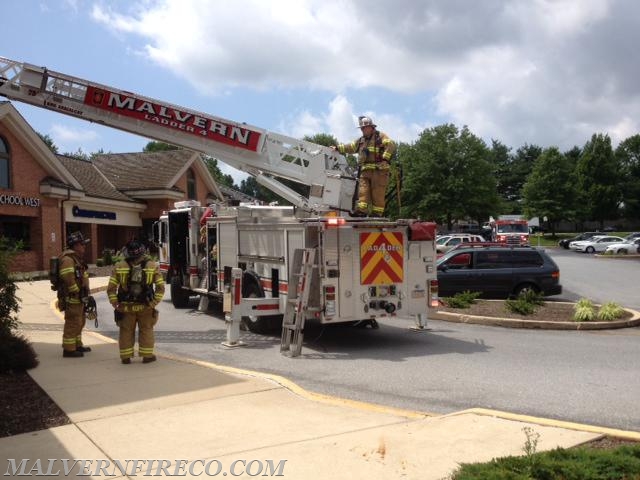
311 260
510 229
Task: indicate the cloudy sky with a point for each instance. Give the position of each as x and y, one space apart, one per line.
544 72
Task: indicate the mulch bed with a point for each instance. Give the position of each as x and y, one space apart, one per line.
551 311
25 407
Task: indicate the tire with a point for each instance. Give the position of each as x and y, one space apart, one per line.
262 325
590 250
179 296
623 251
524 287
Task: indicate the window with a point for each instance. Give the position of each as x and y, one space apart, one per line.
16 229
192 194
4 164
493 259
527 259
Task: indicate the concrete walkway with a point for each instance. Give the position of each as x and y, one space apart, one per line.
182 417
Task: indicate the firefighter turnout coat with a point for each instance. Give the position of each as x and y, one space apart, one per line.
74 282
135 288
374 157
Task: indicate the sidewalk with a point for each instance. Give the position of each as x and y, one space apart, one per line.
182 409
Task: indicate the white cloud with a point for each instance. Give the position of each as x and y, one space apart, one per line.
70 139
550 72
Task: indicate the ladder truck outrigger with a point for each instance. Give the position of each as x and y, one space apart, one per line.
269 265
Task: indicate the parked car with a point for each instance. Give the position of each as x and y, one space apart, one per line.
564 243
632 236
599 243
447 243
497 271
628 246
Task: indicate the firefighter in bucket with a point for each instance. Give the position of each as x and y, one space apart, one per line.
135 288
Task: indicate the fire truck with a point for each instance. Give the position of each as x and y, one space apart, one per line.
269 265
510 229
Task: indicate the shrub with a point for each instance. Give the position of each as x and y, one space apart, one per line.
461 300
610 311
584 310
526 303
16 353
520 305
107 257
9 306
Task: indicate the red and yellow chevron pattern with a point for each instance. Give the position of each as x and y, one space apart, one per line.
381 258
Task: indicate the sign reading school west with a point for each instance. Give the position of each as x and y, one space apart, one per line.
381 258
171 117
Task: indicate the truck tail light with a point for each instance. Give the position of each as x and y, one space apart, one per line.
329 300
433 294
555 275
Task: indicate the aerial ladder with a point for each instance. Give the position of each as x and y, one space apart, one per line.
267 156
273 265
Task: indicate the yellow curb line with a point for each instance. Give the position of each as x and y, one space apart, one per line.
548 422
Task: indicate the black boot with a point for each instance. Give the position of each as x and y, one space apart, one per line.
83 349
72 354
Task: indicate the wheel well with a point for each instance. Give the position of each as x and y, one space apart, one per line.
525 286
251 284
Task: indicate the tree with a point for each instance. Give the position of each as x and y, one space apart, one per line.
549 188
512 173
158 147
628 157
597 175
447 176
49 142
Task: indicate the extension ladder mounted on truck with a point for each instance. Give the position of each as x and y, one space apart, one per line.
244 255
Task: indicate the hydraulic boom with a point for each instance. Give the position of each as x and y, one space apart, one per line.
265 155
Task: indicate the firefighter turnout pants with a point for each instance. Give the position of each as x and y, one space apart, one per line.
372 190
144 318
73 324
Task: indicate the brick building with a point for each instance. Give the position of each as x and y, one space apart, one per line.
111 198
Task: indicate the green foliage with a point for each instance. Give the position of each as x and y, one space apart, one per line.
16 353
49 142
549 189
107 257
461 300
584 310
455 166
609 311
9 305
519 305
628 158
581 463
598 180
158 147
526 303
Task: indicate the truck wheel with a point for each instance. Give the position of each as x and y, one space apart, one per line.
179 296
265 324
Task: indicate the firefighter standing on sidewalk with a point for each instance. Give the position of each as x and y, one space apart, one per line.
135 288
375 150
74 280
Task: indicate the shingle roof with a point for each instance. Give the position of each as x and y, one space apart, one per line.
92 181
142 171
